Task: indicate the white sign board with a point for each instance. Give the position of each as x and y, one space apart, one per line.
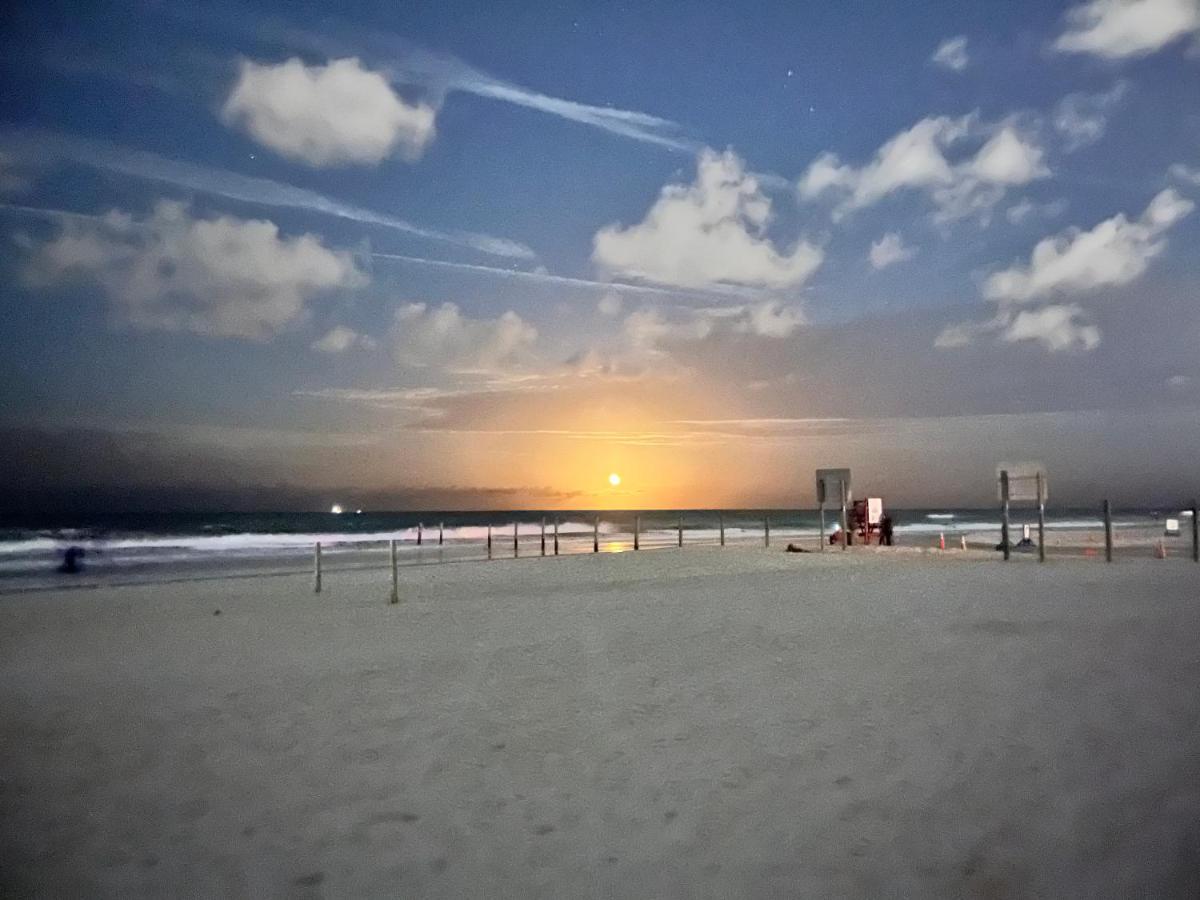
1023 482
829 485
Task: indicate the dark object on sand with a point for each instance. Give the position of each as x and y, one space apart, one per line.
885 530
1025 545
795 548
71 561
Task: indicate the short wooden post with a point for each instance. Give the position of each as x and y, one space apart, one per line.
395 597
516 544
556 535
543 535
766 531
821 508
1004 526
1108 542
420 534
317 568
637 532
595 534
721 525
441 532
681 529
845 519
1041 488
489 541
1195 533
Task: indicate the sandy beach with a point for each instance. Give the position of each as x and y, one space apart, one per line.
703 723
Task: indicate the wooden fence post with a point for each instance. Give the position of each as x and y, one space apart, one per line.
1041 491
516 544
637 532
766 531
681 529
721 525
1195 533
489 541
595 534
441 532
556 535
395 597
1004 526
420 534
1108 537
317 568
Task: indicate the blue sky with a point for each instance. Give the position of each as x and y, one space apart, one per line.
248 243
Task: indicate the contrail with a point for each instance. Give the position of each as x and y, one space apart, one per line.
36 147
406 63
547 278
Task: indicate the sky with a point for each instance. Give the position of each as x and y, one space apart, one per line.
473 255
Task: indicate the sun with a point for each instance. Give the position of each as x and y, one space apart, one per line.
614 479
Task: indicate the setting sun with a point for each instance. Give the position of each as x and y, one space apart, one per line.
614 479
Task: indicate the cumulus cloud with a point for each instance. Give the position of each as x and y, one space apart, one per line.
442 337
952 54
1081 118
1056 327
1114 252
708 233
327 114
1027 209
170 271
919 159
341 339
1115 29
1186 174
890 249
610 304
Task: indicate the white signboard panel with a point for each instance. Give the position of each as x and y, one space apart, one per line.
829 484
1023 482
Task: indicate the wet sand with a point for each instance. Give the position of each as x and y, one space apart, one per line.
737 723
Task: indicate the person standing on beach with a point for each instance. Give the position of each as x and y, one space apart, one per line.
885 530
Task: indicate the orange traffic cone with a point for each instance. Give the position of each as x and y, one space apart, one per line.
941 540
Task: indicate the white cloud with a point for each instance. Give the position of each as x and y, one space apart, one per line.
770 318
610 304
917 159
1026 209
708 233
889 250
1082 118
1055 327
1185 173
952 54
1114 252
442 337
169 271
340 339
326 115
1114 29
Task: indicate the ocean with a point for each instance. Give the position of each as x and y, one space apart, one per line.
167 546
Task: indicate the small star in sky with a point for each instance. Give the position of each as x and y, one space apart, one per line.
790 73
